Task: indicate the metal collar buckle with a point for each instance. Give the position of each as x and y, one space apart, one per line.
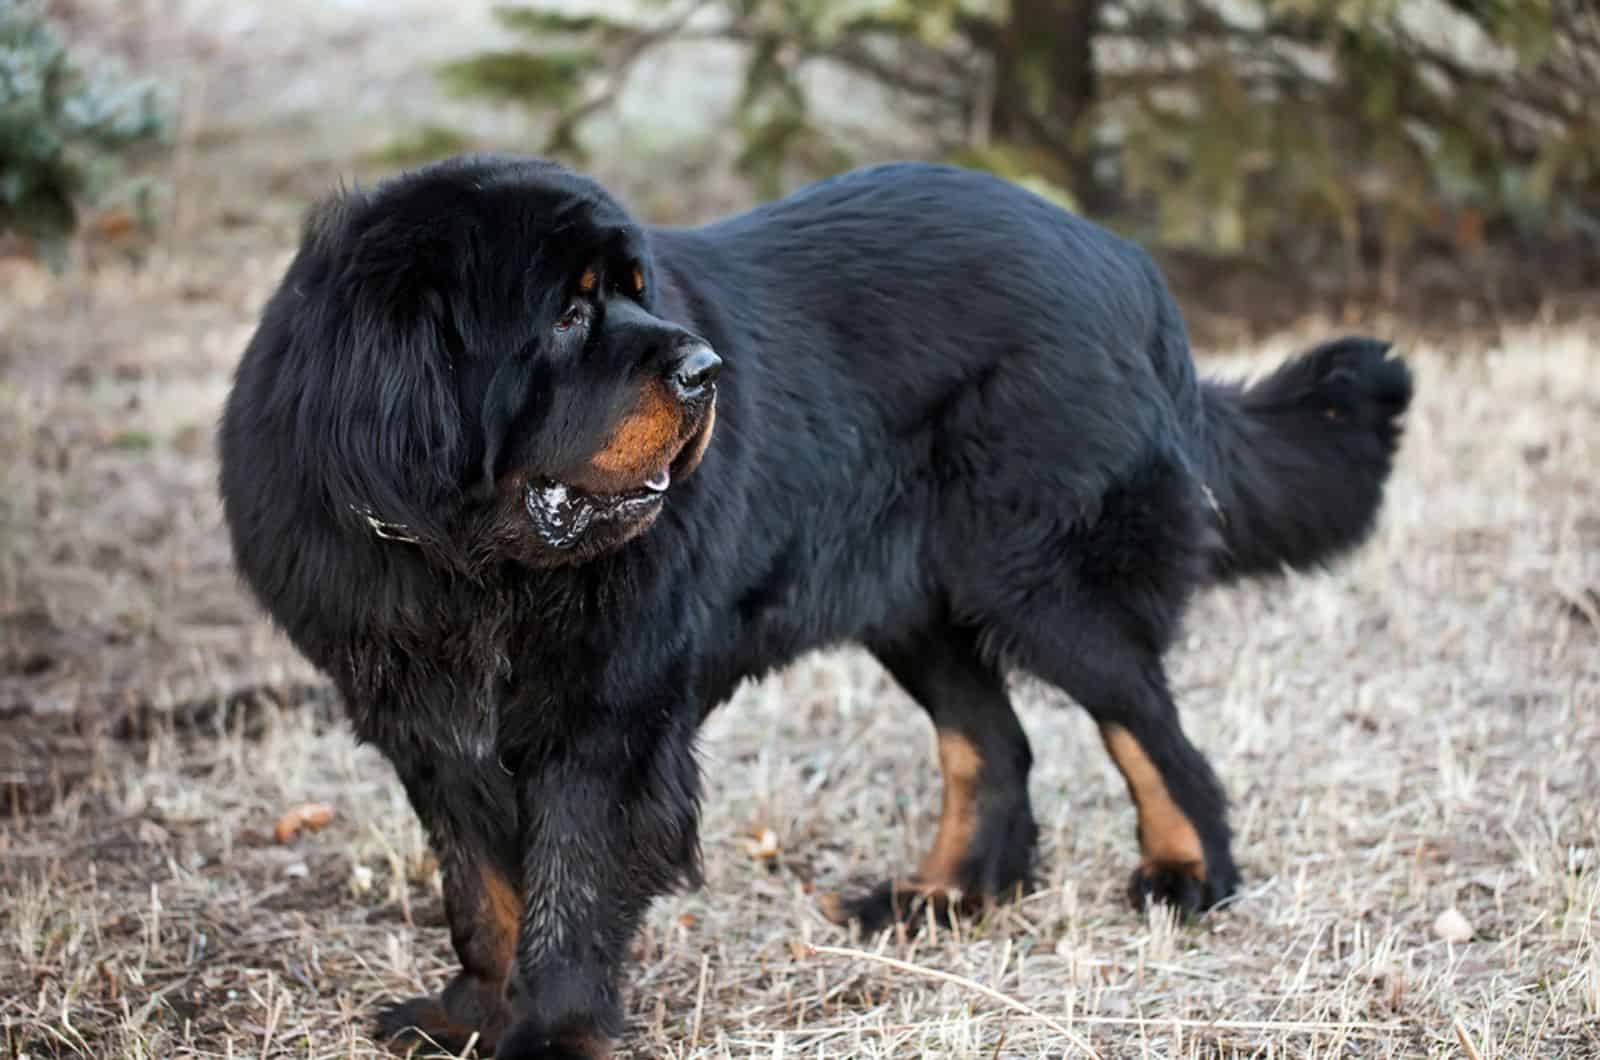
386 530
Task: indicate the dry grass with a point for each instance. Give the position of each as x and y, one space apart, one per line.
1415 733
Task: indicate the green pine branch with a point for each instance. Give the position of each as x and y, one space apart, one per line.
63 131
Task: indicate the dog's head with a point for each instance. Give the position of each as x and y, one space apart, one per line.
498 382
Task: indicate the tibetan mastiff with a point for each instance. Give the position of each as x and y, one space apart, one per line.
539 485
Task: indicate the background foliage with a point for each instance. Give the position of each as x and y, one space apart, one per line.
1354 131
63 133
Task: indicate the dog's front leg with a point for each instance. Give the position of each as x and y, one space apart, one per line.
609 821
468 807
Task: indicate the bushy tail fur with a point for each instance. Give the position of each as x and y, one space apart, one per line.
1298 460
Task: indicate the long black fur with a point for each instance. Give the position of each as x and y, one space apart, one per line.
954 423
1274 443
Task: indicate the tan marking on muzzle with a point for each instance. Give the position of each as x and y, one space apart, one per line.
1166 837
643 442
696 449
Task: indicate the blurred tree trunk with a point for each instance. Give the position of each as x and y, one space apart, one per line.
1046 86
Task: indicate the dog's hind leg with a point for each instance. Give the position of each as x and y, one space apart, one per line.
1184 841
1099 633
984 846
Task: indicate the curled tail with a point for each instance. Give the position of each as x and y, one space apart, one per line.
1297 461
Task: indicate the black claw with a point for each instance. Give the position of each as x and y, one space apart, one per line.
889 904
1180 888
527 1043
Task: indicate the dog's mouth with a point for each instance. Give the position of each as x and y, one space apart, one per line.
564 514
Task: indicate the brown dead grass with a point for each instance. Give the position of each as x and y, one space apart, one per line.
1415 733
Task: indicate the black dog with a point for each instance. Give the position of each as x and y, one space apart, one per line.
539 486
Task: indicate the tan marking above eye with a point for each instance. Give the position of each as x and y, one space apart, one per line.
638 280
587 282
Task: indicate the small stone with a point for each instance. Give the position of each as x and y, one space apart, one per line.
152 834
1452 926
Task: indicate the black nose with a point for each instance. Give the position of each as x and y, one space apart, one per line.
697 368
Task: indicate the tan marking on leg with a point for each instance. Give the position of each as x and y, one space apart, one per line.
939 875
501 912
961 763
1166 837
833 908
642 443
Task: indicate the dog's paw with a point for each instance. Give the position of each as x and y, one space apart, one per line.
527 1042
1188 888
422 1028
900 902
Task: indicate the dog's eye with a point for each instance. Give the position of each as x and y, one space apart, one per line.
571 317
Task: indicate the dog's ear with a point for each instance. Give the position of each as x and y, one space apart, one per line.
507 394
383 403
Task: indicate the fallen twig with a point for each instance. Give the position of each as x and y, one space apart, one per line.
807 949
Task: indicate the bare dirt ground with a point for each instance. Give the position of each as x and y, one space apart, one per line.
1411 742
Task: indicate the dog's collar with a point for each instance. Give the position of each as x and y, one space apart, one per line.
387 530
